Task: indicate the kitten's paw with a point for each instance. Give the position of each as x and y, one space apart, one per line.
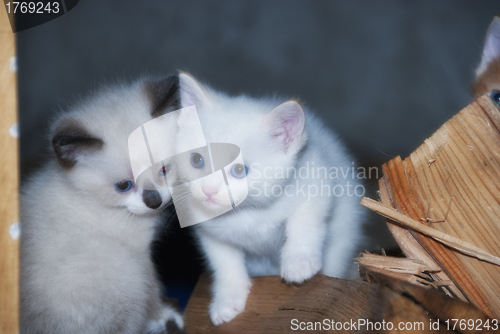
175 326
228 302
174 323
299 268
170 322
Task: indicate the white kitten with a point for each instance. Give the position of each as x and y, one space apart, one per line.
87 228
290 224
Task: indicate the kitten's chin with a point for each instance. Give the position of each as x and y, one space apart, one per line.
145 211
211 205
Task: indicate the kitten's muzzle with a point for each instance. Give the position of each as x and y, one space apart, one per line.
151 198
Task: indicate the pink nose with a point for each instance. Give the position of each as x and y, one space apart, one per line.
210 191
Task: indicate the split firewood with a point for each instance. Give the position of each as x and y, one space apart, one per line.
409 270
442 204
449 240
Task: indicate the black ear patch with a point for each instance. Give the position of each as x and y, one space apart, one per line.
164 95
71 141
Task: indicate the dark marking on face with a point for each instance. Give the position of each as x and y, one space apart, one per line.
71 140
164 95
151 198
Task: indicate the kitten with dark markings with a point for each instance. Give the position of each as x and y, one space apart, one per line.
86 226
299 217
488 72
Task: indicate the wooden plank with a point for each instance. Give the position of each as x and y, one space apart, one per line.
438 306
273 304
9 248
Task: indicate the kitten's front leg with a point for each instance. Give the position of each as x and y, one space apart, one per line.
302 253
231 283
165 318
170 321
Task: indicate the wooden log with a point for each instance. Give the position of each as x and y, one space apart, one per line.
9 245
272 305
440 307
451 184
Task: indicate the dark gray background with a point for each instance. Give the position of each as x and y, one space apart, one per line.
383 74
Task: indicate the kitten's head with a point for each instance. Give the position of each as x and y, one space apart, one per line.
270 134
488 73
91 143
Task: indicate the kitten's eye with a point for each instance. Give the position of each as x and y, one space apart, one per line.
239 171
123 186
197 160
495 96
164 170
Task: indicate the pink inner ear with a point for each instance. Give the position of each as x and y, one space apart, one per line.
287 129
288 123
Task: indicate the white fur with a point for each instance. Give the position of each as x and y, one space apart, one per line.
85 248
291 236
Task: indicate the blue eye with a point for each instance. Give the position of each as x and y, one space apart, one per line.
123 186
495 96
197 160
239 171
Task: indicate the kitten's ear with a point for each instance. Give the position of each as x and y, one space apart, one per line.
71 142
192 93
164 95
286 123
491 50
